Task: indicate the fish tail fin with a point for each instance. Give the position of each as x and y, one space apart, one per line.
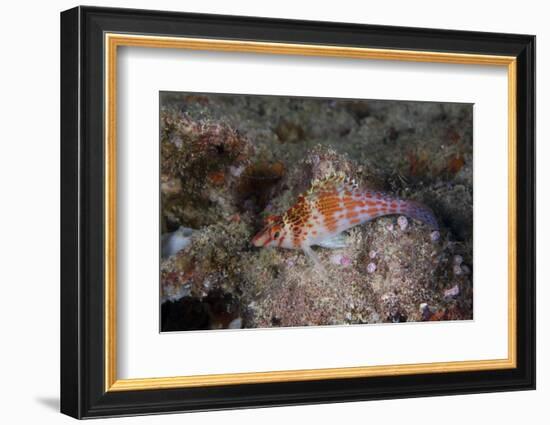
418 212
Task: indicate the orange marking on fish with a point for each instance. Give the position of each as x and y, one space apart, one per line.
331 204
333 211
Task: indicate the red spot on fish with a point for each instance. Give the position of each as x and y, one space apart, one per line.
331 224
350 203
332 208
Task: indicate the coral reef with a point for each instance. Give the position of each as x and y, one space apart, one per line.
229 162
198 163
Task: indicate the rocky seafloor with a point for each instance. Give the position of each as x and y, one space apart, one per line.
228 162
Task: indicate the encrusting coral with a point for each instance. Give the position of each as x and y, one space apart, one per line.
198 164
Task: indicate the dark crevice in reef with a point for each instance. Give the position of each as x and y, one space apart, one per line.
215 311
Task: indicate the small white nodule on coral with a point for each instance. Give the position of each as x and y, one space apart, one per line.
371 268
345 261
174 242
236 171
402 222
372 254
457 259
452 292
457 270
336 258
340 260
434 236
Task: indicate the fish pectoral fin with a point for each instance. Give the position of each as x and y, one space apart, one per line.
334 242
315 260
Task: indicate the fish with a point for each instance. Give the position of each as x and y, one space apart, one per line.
333 205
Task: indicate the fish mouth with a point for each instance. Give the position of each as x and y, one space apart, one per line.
261 239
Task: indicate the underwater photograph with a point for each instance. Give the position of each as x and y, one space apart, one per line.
281 211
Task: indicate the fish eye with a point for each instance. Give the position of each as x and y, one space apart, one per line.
277 234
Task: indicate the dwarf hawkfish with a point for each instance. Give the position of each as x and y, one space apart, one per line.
331 206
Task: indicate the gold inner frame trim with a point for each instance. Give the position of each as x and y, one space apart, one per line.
113 41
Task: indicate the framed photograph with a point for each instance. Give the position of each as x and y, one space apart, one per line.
261 212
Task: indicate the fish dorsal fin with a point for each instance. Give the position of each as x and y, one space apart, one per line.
338 181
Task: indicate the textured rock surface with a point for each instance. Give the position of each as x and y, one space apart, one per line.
230 161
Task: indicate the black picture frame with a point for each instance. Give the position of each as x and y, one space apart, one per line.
83 392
